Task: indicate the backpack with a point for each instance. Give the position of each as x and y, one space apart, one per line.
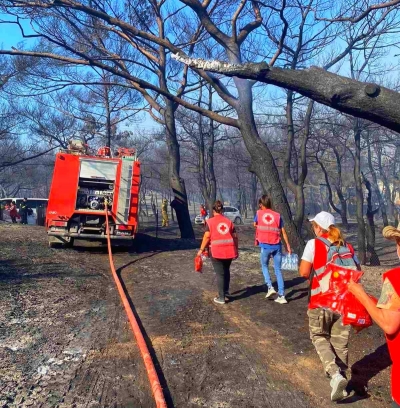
339 255
342 256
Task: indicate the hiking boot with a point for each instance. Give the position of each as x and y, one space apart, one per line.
338 384
271 291
219 301
281 299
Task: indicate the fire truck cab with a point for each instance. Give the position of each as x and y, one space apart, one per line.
84 186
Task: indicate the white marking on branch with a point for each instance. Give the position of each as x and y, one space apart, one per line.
213 65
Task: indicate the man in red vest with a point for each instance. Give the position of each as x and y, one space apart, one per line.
269 225
386 313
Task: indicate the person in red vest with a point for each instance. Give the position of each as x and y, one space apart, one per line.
327 332
386 313
221 236
269 225
13 212
203 213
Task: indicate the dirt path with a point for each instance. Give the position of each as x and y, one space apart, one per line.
64 340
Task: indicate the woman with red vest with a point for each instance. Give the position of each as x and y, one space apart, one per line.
327 332
269 225
13 212
203 213
386 313
221 236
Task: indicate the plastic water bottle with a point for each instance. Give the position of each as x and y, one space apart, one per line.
290 262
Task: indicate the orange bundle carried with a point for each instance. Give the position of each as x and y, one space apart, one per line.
355 313
333 286
340 278
198 263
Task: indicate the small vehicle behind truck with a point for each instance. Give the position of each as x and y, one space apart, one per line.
84 187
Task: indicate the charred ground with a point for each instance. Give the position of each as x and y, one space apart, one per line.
65 341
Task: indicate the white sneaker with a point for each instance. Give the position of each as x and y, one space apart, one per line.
281 299
338 384
271 291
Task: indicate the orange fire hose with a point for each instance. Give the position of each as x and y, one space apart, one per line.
148 362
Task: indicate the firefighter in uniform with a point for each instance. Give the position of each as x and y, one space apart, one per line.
269 225
164 213
221 236
24 211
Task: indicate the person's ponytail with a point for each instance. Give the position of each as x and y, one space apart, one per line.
335 236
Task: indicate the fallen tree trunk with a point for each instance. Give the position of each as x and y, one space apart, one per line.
363 100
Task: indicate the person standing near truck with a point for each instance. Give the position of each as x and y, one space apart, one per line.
24 211
13 212
269 225
164 213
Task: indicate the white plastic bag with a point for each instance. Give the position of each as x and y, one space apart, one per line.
290 262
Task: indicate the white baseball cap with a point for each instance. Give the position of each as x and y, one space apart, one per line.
324 219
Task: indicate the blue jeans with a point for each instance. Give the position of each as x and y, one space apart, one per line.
265 255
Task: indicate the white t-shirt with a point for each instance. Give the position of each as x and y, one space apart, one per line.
309 251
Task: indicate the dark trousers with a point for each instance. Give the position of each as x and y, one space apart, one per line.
24 217
221 268
14 220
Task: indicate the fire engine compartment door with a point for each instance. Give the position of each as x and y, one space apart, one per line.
124 198
98 169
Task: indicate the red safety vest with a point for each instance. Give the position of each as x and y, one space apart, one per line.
13 211
393 340
268 231
320 280
222 243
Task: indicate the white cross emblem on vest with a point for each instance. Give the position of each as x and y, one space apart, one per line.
222 228
268 219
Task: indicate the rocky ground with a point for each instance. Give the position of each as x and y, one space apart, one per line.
65 341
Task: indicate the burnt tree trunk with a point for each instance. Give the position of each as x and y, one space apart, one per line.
296 182
343 207
370 227
359 193
207 180
180 201
376 186
386 184
341 211
263 164
253 194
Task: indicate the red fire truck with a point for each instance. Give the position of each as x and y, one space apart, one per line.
84 185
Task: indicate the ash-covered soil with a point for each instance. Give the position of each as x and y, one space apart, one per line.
65 340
